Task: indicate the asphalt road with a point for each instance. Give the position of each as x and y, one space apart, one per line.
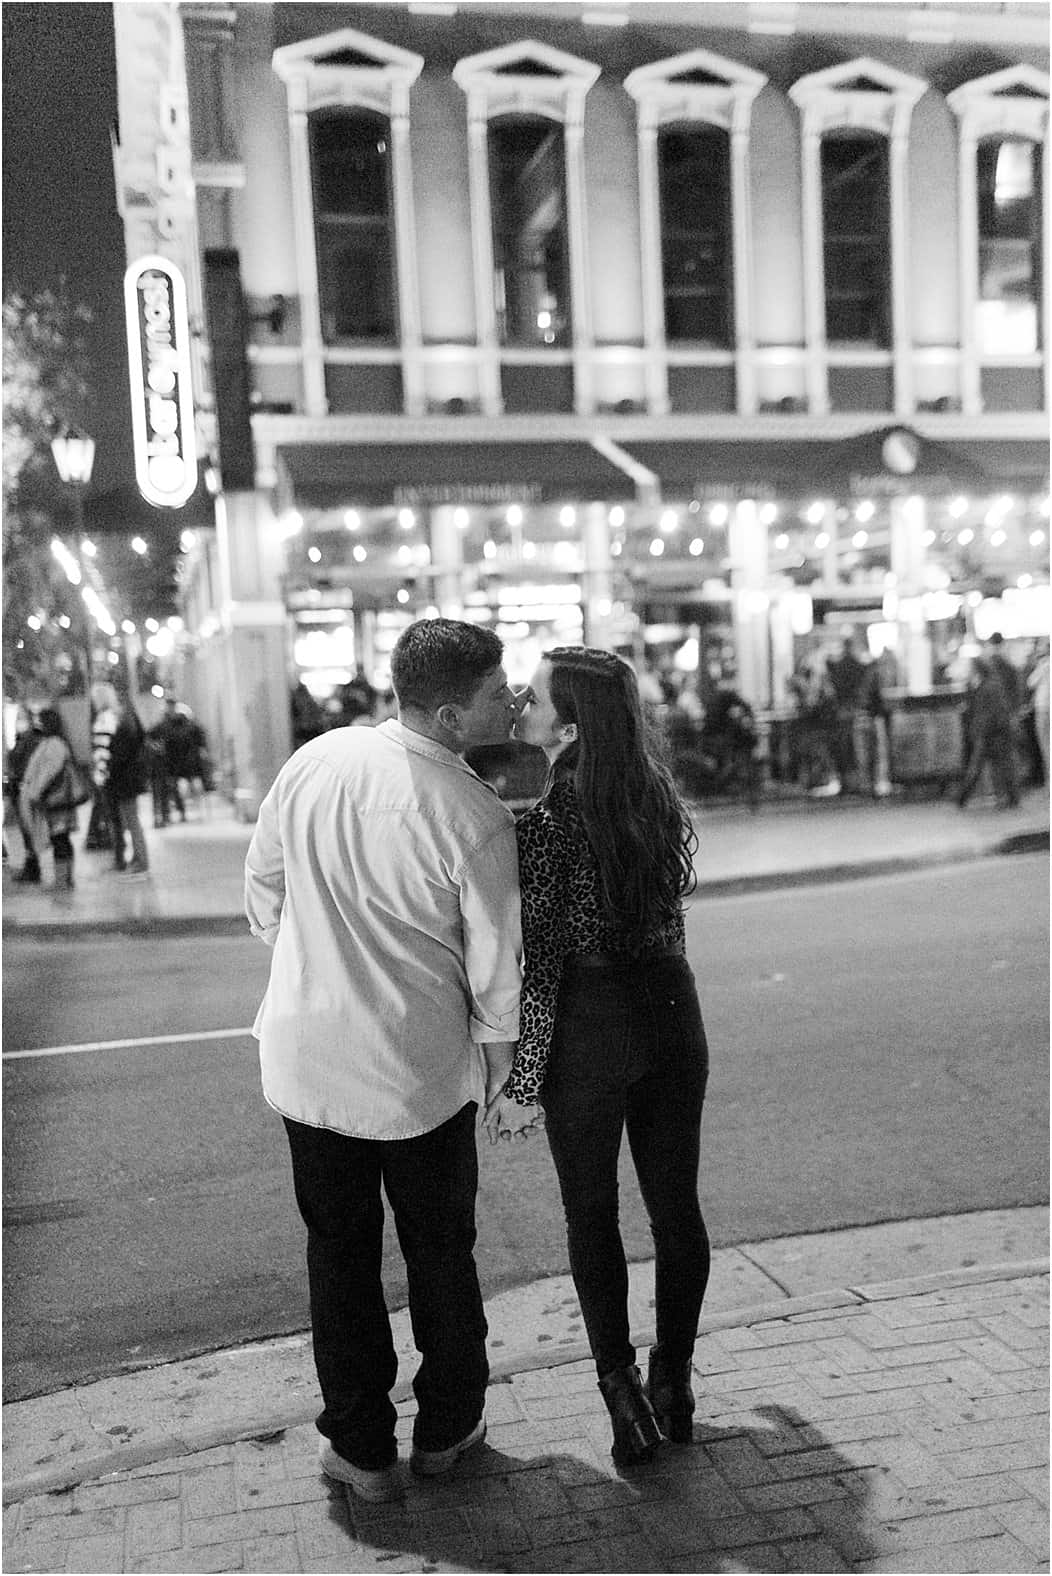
878 1052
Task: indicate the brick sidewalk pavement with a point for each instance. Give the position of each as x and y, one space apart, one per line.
904 1430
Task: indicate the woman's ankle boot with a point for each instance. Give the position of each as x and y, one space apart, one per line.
636 1433
670 1394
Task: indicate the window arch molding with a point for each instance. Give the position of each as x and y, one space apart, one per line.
350 70
665 96
527 78
1014 102
859 95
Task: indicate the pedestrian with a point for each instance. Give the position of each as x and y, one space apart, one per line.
27 737
383 873
989 734
849 677
814 726
46 801
357 699
1038 685
120 770
185 753
611 1030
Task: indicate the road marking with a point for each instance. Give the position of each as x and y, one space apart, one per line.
124 1045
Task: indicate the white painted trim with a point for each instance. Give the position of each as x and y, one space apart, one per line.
829 102
492 89
384 86
662 99
984 107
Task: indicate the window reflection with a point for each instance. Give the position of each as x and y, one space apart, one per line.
856 239
1009 246
350 152
694 167
530 250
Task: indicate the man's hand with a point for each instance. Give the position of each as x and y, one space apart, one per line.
498 1056
508 1119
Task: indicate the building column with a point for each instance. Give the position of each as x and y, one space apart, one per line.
747 545
253 647
908 559
597 578
447 562
656 366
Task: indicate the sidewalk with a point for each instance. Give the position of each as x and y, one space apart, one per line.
196 868
848 1420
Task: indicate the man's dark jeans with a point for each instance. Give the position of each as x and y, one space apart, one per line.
629 1053
431 1182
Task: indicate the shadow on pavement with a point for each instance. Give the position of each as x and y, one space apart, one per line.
725 1503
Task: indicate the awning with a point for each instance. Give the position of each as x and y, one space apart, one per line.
892 459
428 475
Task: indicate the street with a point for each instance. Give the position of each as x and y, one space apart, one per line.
878 1052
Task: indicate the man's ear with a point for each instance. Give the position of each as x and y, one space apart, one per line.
568 732
448 715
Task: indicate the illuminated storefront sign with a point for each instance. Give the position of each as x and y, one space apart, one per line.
161 393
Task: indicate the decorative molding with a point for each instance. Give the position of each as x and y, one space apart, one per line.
1013 102
867 95
663 96
372 75
555 87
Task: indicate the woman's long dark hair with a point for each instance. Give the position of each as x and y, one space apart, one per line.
639 833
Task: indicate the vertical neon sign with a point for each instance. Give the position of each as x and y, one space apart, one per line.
161 392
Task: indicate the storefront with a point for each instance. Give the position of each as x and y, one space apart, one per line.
733 557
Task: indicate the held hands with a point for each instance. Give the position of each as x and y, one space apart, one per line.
507 1119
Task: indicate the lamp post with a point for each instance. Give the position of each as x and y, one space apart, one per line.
74 455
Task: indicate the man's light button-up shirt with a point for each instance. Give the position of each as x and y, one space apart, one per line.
383 872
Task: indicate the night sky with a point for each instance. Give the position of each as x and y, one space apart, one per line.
59 211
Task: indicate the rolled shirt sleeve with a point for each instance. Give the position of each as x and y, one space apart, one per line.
490 912
265 873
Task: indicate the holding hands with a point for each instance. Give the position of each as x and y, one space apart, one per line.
508 1119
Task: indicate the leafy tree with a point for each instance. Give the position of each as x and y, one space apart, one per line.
45 385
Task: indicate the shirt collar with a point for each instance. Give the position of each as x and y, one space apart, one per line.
420 744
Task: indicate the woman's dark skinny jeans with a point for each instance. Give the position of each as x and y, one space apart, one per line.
629 1053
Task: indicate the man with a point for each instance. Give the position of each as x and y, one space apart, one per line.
383 872
848 676
119 769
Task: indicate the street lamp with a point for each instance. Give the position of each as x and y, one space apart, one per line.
74 454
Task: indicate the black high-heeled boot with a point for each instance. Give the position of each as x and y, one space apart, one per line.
670 1395
636 1433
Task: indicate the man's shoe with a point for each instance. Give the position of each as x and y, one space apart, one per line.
379 1485
136 868
433 1463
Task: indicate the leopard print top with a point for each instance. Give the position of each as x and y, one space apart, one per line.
562 916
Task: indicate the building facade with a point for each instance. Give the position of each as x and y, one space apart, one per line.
698 331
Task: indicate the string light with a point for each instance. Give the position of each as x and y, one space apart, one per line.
768 514
314 554
514 515
958 507
461 519
697 547
406 519
816 513
719 514
657 547
567 516
138 545
865 511
352 519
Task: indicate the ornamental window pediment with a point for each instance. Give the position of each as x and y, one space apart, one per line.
864 93
697 85
348 67
1014 100
526 78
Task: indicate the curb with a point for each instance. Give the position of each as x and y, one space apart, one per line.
160 926
129 1457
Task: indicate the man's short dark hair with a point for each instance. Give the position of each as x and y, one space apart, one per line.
441 659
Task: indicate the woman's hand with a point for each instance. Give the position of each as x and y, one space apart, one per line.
508 1119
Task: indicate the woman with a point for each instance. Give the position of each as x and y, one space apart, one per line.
43 781
611 1031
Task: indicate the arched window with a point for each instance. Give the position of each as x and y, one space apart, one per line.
1008 180
855 121
531 257
696 247
694 114
856 239
351 172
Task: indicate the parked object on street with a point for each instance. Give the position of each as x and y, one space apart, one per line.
382 872
612 1038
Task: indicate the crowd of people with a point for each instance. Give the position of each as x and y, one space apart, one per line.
45 785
